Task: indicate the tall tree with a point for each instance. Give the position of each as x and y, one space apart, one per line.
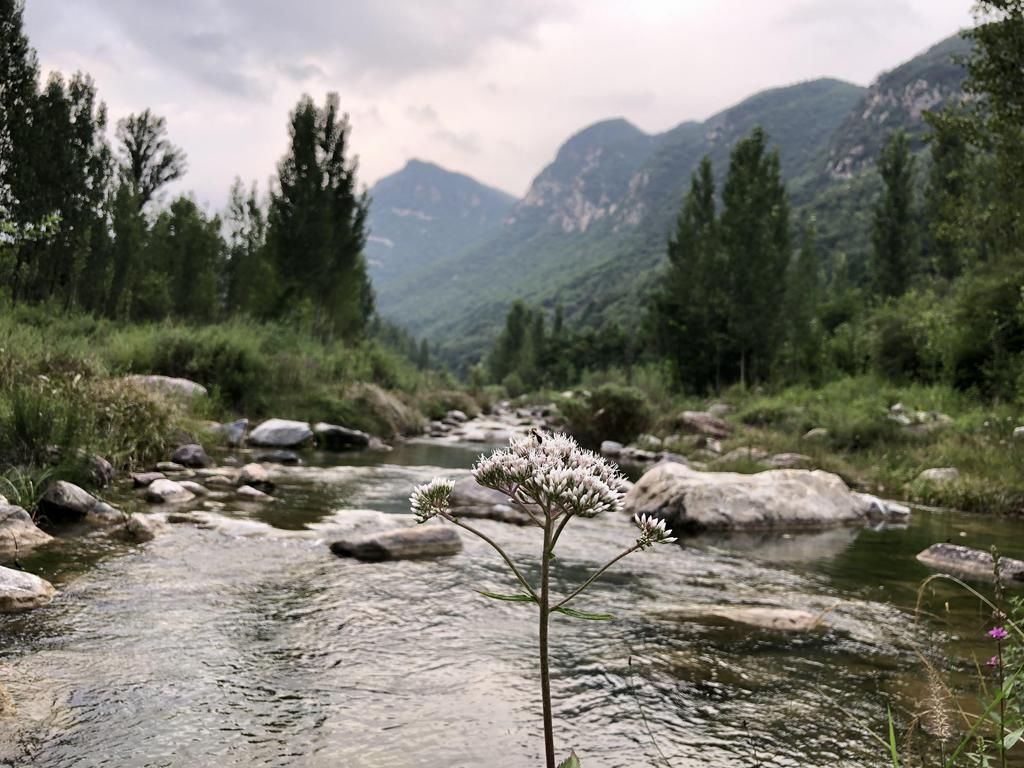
893 240
951 205
127 264
72 169
187 248
756 242
317 224
995 80
249 275
689 325
803 298
149 160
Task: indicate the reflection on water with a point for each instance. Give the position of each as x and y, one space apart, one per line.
254 646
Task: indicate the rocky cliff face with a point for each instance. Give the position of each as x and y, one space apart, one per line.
587 181
898 100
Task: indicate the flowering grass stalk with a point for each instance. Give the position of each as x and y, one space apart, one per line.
552 480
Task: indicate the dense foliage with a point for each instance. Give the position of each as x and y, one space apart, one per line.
86 227
940 298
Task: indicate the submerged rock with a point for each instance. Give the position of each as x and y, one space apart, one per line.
140 528
780 499
168 385
971 563
191 455
253 494
21 591
280 456
769 617
168 492
18 532
401 544
281 433
331 437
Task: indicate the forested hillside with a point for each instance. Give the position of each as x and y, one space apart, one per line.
590 234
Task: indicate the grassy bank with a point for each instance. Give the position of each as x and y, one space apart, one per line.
62 397
863 441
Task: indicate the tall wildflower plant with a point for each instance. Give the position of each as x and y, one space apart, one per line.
552 480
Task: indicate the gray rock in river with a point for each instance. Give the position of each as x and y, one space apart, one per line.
611 448
428 540
255 475
168 385
191 455
65 502
140 528
771 617
168 492
971 563
331 437
18 533
143 479
281 433
21 591
471 500
781 499
280 456
234 432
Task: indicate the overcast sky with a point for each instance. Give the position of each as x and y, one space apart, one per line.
486 87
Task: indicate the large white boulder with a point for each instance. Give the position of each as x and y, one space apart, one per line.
281 433
21 591
168 385
18 532
783 499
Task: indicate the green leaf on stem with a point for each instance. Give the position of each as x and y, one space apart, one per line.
1012 738
508 598
574 614
571 761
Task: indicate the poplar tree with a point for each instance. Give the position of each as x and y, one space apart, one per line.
688 311
893 253
317 224
756 244
149 161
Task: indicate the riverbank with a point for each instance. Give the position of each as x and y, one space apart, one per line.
65 393
880 437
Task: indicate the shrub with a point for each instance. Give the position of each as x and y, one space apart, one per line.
610 412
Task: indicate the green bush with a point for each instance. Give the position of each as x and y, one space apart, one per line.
435 404
610 412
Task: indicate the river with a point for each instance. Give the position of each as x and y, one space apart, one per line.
247 643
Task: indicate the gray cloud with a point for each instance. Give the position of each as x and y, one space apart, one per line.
383 40
467 143
424 115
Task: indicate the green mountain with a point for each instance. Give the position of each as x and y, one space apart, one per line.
423 214
590 234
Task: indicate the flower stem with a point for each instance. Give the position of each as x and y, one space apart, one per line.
508 560
545 674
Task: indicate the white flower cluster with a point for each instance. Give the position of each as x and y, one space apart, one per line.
431 498
652 531
553 472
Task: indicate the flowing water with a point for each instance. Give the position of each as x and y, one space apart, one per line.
246 643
